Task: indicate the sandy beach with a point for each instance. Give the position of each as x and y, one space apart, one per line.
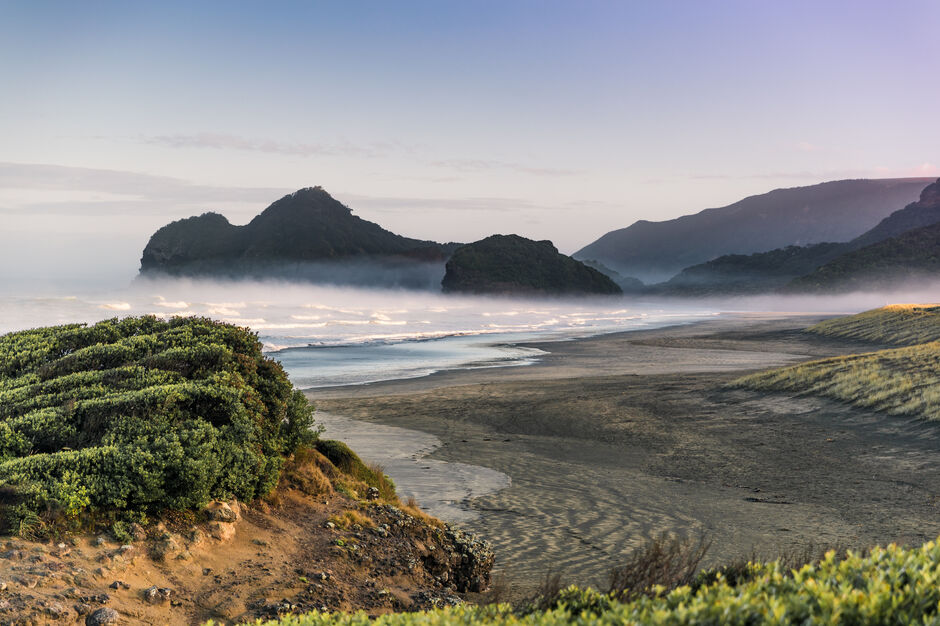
612 439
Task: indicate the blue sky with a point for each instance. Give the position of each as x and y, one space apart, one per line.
446 120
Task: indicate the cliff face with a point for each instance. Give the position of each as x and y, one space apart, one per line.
304 227
510 264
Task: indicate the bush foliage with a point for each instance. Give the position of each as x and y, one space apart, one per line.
890 585
141 415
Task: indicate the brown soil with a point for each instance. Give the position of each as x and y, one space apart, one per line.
615 439
283 558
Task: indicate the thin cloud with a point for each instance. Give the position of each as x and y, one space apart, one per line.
486 165
223 141
387 204
806 146
925 170
132 185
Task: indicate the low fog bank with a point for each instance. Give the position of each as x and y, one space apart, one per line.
292 313
370 272
921 292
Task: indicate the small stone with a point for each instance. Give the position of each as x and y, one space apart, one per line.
82 609
126 548
329 525
195 537
119 584
372 494
223 531
157 595
56 610
137 532
100 541
259 542
206 571
29 582
222 512
102 616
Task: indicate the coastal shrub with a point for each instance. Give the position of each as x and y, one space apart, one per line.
890 585
141 415
349 463
896 324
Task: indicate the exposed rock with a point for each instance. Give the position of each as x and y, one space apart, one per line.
137 532
223 512
103 616
157 595
223 531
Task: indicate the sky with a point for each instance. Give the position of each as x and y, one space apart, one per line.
441 120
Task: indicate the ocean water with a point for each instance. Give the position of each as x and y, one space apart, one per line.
328 336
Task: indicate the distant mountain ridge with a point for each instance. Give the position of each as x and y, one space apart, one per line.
766 271
893 263
514 265
833 211
302 235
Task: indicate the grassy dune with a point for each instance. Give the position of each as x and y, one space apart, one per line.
900 381
896 324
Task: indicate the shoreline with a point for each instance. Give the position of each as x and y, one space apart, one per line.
618 437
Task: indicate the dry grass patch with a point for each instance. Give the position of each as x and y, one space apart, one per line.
896 324
900 381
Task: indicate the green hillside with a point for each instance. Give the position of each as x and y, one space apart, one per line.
896 262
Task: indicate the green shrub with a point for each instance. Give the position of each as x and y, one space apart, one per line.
348 462
141 415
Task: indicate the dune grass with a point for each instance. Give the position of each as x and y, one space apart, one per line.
899 381
896 324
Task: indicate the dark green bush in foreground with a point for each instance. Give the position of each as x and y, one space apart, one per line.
140 415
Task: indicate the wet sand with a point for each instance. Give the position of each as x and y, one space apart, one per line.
613 439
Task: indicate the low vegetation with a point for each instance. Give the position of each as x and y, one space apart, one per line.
892 585
139 416
899 381
896 324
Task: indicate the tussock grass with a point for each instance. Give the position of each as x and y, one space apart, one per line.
896 324
899 381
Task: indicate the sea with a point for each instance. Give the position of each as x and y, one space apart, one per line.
331 336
